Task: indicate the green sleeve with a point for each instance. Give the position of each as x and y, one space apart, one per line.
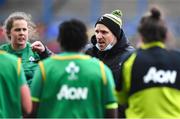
22 77
109 87
36 87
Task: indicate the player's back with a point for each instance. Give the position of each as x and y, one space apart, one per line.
10 105
75 85
155 83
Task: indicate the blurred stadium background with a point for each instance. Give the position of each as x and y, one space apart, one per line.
48 14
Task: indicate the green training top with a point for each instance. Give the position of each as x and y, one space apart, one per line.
28 57
150 83
11 79
71 85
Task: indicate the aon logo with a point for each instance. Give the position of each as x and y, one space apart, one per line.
72 93
160 76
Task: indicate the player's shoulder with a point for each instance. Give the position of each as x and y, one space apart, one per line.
4 46
7 56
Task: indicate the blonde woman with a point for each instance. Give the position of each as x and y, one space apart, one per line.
19 29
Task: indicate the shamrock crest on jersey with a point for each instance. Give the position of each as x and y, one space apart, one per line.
31 59
72 69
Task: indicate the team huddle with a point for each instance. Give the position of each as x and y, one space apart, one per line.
103 78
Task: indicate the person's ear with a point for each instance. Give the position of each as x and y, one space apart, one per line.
93 40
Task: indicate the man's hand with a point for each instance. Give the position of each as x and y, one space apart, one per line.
38 47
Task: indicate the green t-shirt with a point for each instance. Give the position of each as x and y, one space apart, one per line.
28 57
71 85
11 79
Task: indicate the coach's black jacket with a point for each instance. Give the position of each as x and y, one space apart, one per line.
114 56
